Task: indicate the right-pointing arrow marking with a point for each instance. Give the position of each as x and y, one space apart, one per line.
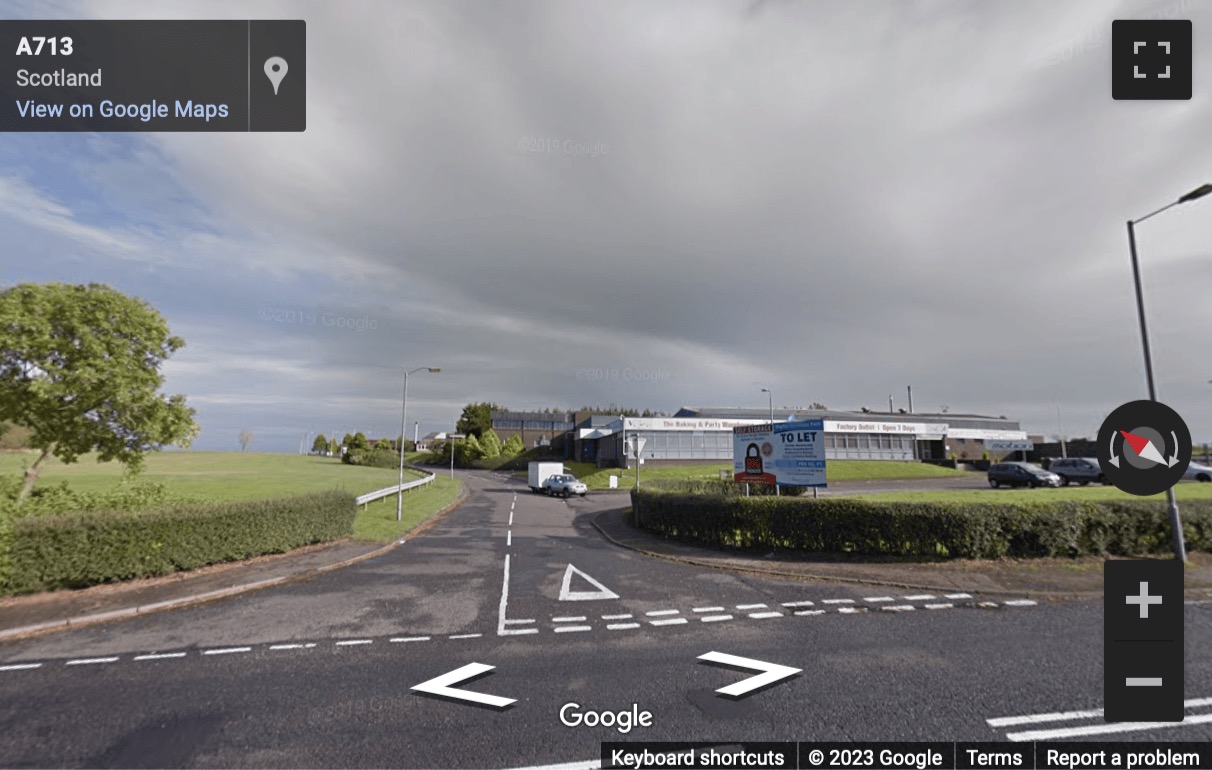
444 686
771 673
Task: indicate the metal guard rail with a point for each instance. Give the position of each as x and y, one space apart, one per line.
393 489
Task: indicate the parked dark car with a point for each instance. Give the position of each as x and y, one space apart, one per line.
1078 470
1019 474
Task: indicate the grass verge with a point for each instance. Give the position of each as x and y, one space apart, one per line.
216 476
377 521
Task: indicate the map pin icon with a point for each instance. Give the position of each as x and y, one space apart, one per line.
275 70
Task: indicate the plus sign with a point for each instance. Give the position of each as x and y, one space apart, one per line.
1144 600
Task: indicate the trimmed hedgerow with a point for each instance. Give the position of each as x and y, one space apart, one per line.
74 550
866 526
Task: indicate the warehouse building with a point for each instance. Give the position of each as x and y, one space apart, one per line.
705 435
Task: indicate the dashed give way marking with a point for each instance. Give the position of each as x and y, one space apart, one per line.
568 595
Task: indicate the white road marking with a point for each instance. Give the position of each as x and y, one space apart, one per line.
898 608
797 604
226 650
353 642
86 661
1020 603
1061 716
511 515
296 646
519 622
851 610
1105 729
751 606
669 622
761 615
708 609
939 606
509 538
592 764
957 596
410 639
918 597
715 618
810 612
567 629
838 601
575 619
161 656
568 595
468 636
622 626
624 616
656 613
20 666
501 630
878 599
987 604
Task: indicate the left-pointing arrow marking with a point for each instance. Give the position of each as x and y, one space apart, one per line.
445 684
771 673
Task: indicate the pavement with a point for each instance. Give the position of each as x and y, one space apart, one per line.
1040 579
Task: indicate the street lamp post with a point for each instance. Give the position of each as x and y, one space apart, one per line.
770 401
1176 526
450 439
403 422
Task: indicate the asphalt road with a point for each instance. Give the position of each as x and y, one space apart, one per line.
319 673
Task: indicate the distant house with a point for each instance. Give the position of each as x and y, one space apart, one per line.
425 444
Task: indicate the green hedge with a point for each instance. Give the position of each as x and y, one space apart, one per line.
938 530
80 549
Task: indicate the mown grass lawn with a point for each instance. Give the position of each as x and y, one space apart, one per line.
216 475
836 470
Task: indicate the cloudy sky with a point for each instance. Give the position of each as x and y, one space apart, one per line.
655 204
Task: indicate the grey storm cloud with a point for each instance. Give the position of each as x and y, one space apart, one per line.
834 199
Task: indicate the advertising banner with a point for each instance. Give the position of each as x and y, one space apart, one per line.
792 455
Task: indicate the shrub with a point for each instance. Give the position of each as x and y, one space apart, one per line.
921 529
74 550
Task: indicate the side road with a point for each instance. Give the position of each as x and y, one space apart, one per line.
23 616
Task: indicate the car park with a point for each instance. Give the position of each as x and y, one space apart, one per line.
564 485
1198 472
1078 470
1020 474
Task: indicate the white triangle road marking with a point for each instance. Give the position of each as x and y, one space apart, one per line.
568 595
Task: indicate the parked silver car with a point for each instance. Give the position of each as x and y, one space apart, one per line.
1197 472
1078 470
564 485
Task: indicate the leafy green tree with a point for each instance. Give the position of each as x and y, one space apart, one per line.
334 446
468 450
513 446
359 441
347 441
491 444
320 444
80 367
477 418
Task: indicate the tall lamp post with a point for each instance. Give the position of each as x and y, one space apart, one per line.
450 439
1176 526
770 401
403 422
